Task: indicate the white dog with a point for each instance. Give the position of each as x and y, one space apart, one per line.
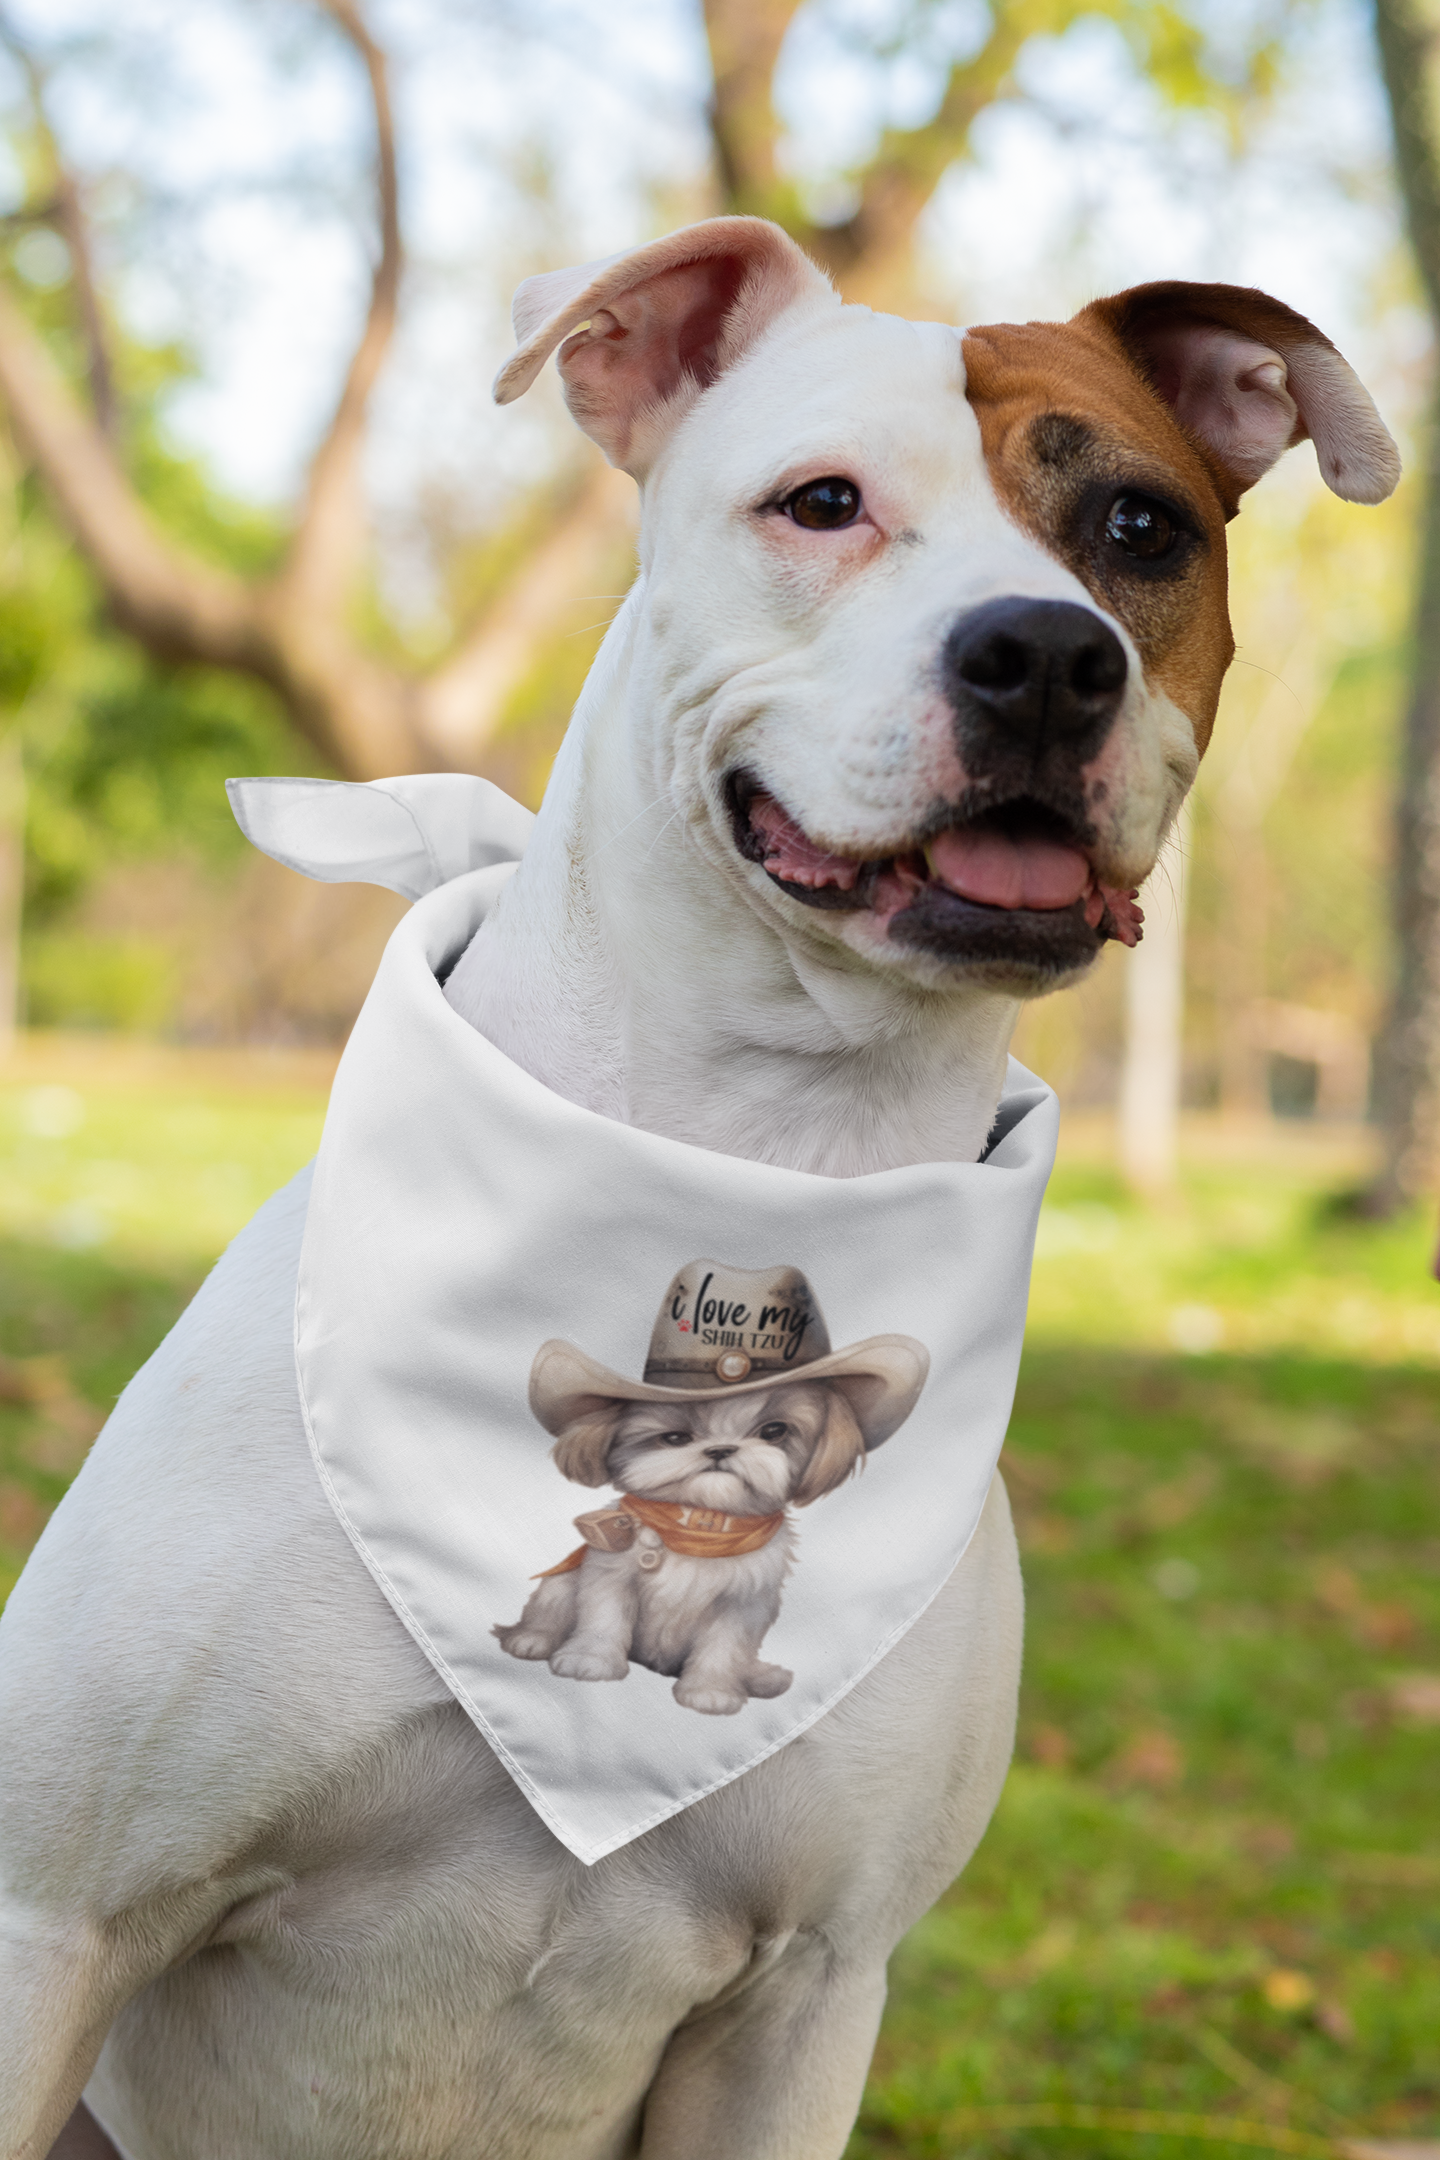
925 645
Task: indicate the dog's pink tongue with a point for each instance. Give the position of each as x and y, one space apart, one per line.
1001 872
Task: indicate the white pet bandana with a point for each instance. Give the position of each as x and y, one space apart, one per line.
770 1403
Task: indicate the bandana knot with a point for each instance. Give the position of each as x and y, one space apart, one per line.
698 1533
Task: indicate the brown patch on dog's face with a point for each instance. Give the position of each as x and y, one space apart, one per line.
1070 429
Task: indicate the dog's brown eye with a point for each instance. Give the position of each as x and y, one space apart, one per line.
674 1439
824 505
1142 527
775 1430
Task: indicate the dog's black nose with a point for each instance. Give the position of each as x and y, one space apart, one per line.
720 1454
1038 671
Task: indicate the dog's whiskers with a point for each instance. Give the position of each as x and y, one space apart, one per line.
621 830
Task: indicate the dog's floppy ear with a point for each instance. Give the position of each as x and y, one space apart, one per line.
1249 377
660 320
579 1452
840 1447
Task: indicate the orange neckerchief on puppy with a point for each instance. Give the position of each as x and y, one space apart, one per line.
700 1533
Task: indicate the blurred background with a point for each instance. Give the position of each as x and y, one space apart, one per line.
258 514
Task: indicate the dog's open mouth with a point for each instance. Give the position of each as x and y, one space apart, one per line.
1013 884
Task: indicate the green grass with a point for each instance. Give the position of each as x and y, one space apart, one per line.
1213 1884
123 1174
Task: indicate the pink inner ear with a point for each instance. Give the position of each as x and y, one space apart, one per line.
637 351
1228 390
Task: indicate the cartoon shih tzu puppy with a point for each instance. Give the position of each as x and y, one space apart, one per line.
744 1412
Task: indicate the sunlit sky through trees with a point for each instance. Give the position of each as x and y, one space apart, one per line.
229 145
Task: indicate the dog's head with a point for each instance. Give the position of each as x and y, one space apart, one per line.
742 1454
932 626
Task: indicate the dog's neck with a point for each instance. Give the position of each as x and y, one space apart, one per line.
622 968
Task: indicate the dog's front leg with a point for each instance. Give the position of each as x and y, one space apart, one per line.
63 1979
774 2073
606 1601
57 2011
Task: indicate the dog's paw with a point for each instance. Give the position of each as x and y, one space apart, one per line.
588 1665
768 1680
523 1642
710 1696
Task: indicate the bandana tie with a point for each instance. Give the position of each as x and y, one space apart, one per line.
696 1532
799 1383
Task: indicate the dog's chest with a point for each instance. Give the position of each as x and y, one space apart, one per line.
427 1880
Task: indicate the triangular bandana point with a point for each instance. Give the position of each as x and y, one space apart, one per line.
478 1286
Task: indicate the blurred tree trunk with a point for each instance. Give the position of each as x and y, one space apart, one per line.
869 254
1150 1077
12 880
1244 775
1408 1050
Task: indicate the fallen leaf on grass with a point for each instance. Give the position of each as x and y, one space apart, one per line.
1050 1746
1025 1474
1391 2148
1268 1841
1335 2021
1050 1948
1387 1871
69 1424
1385 1626
1171 1996
1151 1758
1303 1448
1338 1589
58 1453
1166 1506
22 1517
1416 1695
1044 1533
1271 2092
1287 1990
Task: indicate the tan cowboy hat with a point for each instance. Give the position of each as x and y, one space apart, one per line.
734 1331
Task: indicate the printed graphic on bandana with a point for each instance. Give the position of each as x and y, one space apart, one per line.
743 1413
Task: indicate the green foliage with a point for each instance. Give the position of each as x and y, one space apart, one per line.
120 1182
1175 49
77 979
27 634
132 764
125 759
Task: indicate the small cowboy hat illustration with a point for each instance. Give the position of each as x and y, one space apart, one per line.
733 1331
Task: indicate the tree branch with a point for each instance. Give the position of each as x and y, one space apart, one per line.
359 714
67 214
745 39
463 701
1407 53
177 607
329 536
1407 1049
909 164
362 716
